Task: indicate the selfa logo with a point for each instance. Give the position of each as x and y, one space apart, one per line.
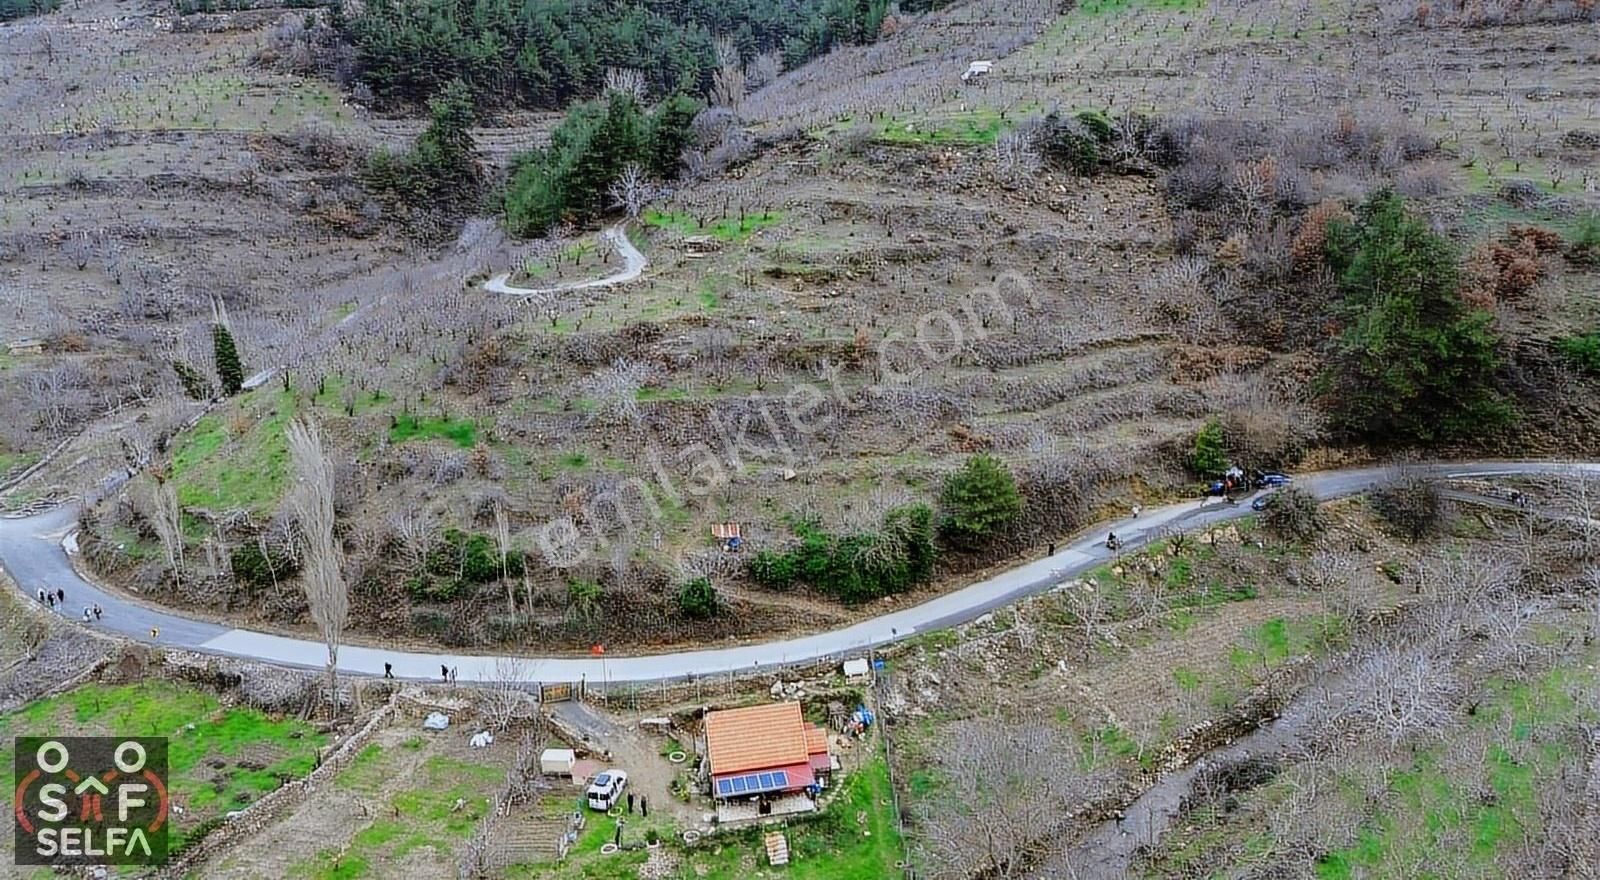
91 800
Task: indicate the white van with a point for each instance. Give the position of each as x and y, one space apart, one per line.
606 789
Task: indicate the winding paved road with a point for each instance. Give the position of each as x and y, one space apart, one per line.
633 265
32 551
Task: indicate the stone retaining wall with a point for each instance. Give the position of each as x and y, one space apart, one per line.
274 805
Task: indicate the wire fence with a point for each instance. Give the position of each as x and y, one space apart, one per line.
880 692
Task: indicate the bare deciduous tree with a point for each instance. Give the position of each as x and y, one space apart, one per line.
310 500
507 700
1008 788
1403 691
632 192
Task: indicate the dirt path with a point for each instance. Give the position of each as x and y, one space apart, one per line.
634 264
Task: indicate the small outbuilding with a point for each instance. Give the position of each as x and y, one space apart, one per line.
557 762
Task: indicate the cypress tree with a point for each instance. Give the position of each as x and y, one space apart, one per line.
230 372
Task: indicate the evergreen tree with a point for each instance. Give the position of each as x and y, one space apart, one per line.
979 500
230 372
1414 362
1209 458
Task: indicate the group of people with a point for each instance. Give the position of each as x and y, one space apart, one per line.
58 597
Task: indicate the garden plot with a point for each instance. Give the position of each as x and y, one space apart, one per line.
221 758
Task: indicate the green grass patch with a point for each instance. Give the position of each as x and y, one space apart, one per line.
461 432
277 749
215 469
728 229
976 128
1092 8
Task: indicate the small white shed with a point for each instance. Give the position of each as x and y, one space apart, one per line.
557 762
977 70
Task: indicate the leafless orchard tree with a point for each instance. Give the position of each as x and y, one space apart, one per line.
417 531
1008 785
310 500
507 700
502 540
616 389
1403 691
632 191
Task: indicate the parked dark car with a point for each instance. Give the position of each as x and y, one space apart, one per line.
1262 503
1216 489
1273 481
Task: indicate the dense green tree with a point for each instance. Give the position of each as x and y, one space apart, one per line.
1414 362
570 179
979 501
230 372
549 53
440 168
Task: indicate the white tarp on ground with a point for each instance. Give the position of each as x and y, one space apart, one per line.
482 739
436 721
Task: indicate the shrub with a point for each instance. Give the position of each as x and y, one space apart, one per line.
1582 352
1209 456
430 621
697 599
857 567
1585 244
1293 515
262 568
195 386
1410 505
979 501
470 558
506 627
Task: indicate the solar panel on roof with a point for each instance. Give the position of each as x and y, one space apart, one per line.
738 784
724 786
781 777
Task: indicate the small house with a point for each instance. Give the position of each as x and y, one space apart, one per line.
765 760
977 70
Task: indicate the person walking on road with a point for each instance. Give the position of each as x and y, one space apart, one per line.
155 633
41 595
62 595
388 670
86 613
97 611
444 673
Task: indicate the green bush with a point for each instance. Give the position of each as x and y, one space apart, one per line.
1585 240
1210 455
1582 352
697 599
258 568
470 559
857 567
979 501
195 386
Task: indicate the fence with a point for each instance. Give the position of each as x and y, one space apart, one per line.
880 692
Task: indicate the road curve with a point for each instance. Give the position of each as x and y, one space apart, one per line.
633 265
33 553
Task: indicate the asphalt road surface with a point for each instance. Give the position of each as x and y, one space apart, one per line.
32 552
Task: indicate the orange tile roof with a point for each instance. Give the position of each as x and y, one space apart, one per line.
816 740
756 738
